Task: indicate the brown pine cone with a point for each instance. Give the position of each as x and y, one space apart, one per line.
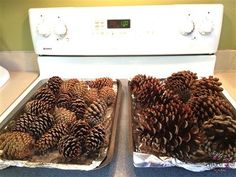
95 139
80 130
64 100
180 83
107 94
101 82
40 125
54 84
150 94
78 106
138 81
207 86
206 107
37 107
79 89
63 115
169 130
46 95
220 132
95 112
51 138
70 147
23 123
91 95
16 145
67 85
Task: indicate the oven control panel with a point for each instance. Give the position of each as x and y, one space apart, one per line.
127 30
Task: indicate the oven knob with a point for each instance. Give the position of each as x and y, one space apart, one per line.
60 29
43 29
206 27
187 27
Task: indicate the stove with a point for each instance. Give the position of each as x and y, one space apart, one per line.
120 42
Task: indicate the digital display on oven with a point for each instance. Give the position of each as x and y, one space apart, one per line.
118 23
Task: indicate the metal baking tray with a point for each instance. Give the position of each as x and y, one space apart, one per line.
145 160
96 164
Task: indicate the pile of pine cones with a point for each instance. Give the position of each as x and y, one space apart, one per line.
63 115
183 117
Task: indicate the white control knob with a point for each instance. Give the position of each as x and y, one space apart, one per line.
187 27
60 29
43 29
206 27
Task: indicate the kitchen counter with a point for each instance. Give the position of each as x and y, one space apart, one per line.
228 79
17 83
122 165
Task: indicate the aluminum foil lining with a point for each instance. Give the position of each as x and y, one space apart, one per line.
148 160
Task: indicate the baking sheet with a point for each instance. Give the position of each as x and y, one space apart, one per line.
146 160
103 159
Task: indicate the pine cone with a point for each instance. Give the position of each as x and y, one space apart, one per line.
40 125
169 130
70 147
23 123
79 89
95 139
207 86
95 112
63 115
67 85
220 132
108 94
91 95
16 145
80 129
54 84
180 83
151 94
64 100
101 82
206 107
37 107
137 83
45 94
78 106
51 138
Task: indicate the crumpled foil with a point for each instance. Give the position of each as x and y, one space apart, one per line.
148 160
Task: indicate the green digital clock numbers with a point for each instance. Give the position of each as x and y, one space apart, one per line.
118 23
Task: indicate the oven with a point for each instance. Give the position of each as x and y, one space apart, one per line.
121 42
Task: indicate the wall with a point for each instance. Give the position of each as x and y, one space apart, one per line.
14 24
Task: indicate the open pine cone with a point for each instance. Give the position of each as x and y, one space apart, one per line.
16 145
40 125
78 106
207 86
79 89
95 139
95 112
45 94
169 130
91 95
181 82
101 82
51 138
206 107
37 107
70 147
54 84
63 115
80 130
107 94
220 132
137 83
23 123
